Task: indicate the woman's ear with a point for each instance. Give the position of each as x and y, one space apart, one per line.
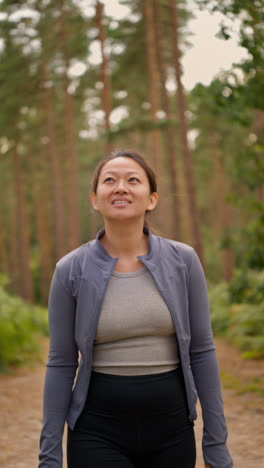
153 200
93 200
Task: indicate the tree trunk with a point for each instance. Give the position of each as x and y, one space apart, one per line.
170 141
220 210
24 232
214 186
258 125
3 248
105 74
226 217
43 228
73 191
13 249
258 122
187 157
56 175
153 78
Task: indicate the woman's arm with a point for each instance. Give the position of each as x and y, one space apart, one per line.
61 370
205 371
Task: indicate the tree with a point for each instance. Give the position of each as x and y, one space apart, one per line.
23 224
170 139
105 73
55 169
153 79
183 128
74 215
211 117
248 91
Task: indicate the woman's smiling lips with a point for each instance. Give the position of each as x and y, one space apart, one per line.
121 202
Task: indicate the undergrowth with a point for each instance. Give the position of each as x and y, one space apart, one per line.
237 312
21 326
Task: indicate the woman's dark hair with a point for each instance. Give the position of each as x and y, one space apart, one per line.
126 154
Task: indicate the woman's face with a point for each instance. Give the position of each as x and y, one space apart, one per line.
123 191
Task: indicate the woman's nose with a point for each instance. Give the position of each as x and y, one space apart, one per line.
121 187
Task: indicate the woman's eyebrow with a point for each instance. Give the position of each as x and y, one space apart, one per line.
116 173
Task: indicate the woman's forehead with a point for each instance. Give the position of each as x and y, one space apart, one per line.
122 164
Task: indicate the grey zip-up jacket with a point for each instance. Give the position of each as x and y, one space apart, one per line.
76 295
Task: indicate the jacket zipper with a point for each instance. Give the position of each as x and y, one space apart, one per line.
98 309
97 316
176 325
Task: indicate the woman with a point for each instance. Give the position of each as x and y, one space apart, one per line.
134 307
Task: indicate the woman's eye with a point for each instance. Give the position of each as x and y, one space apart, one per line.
108 179
133 179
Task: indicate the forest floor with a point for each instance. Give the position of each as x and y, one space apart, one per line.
243 394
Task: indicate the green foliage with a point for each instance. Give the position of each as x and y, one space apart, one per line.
237 312
246 287
236 100
219 304
21 324
252 385
239 287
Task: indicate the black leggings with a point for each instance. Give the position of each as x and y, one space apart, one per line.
133 422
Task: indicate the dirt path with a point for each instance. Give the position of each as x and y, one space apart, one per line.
21 414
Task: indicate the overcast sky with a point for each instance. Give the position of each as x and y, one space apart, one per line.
209 55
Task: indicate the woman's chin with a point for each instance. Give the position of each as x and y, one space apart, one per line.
123 216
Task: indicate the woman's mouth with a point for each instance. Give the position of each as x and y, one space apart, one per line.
121 202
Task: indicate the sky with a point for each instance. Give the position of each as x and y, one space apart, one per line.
208 55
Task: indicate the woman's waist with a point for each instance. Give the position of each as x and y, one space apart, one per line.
148 393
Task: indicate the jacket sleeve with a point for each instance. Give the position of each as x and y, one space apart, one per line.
205 371
60 373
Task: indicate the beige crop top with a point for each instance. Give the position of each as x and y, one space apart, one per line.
135 333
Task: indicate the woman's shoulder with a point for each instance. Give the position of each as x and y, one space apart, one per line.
72 263
181 249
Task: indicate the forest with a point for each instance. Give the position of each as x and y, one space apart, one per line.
61 113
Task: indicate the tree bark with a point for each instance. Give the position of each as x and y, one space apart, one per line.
170 141
186 153
105 74
43 228
24 231
258 113
258 125
13 249
56 174
153 78
226 217
220 210
74 214
214 186
3 248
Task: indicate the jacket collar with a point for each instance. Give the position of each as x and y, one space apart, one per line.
104 260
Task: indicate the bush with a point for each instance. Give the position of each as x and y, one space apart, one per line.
246 286
219 306
21 325
237 312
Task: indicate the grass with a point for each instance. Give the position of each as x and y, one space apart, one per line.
253 385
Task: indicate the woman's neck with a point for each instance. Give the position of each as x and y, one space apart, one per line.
125 241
